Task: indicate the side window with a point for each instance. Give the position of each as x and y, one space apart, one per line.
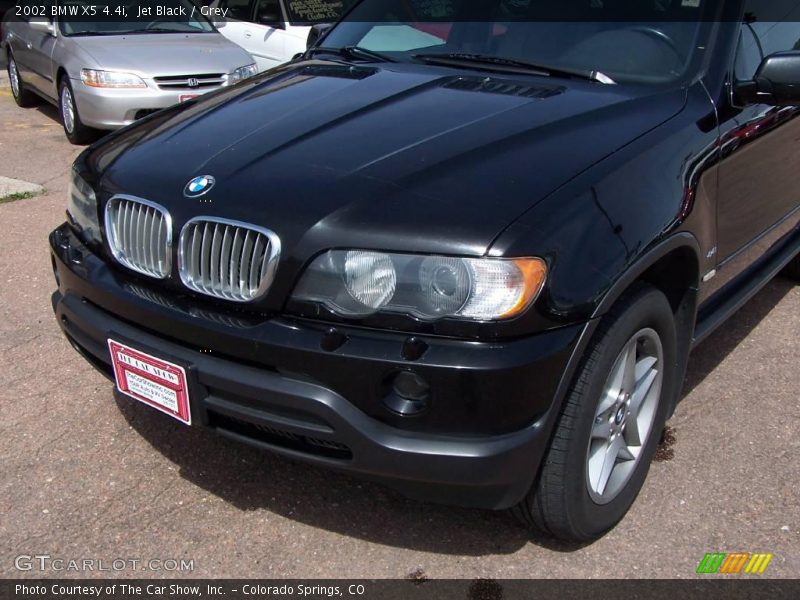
237 9
760 38
748 56
269 11
306 12
781 36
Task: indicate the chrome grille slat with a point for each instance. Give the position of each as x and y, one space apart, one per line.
205 261
127 226
255 271
148 238
216 258
195 250
246 250
140 235
152 245
235 252
137 234
227 259
159 248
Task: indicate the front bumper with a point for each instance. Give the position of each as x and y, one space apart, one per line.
109 108
294 412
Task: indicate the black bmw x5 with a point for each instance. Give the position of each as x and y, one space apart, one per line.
463 248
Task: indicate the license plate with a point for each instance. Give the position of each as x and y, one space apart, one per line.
151 380
185 97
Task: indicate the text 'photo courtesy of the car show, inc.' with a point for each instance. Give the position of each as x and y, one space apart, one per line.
399 298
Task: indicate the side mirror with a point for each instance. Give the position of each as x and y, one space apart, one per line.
777 81
271 19
42 26
317 32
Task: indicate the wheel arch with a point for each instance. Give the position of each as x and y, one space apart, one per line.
681 250
61 73
672 267
655 267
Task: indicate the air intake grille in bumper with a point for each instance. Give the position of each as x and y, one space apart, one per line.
227 259
280 438
140 235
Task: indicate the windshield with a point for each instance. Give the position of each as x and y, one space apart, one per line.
645 41
120 17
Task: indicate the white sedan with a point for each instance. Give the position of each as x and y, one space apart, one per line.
272 31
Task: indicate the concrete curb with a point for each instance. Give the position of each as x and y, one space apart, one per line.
11 187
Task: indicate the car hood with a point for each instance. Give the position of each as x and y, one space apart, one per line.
163 54
401 157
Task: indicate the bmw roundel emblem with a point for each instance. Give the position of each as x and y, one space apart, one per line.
199 186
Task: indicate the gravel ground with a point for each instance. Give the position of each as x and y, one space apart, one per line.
85 475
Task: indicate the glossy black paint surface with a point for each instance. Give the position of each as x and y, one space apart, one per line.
392 158
679 185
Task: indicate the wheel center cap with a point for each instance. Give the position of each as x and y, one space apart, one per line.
619 417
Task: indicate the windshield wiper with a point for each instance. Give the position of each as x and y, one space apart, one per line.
92 33
464 59
351 53
167 30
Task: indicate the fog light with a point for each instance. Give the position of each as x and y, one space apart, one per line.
409 394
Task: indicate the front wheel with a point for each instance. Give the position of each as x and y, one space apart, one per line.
22 96
611 423
76 132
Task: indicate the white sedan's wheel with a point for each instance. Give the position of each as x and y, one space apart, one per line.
13 75
67 109
22 96
75 130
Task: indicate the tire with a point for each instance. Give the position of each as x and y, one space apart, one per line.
77 133
569 500
792 270
22 96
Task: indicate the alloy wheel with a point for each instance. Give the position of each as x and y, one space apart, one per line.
67 109
13 75
624 415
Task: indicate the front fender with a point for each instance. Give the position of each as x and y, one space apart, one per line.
606 227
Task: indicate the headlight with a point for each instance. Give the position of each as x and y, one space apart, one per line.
111 79
357 283
82 208
243 73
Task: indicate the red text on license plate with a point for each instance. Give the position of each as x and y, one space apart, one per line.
148 379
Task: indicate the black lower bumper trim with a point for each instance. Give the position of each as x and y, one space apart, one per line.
305 420
487 472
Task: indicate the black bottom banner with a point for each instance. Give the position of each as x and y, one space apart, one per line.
476 589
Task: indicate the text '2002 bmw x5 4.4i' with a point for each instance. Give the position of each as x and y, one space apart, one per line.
467 256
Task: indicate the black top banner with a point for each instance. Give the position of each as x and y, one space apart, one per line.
307 12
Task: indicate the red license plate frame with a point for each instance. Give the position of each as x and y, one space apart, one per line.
156 382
